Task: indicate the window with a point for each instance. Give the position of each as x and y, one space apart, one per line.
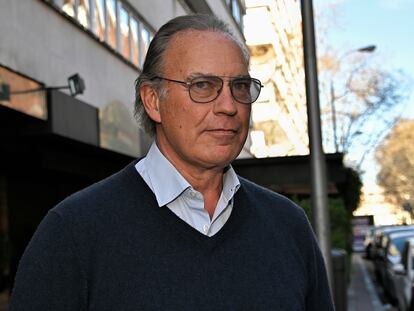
134 29
124 32
393 250
98 19
236 11
145 41
68 6
113 22
83 13
31 103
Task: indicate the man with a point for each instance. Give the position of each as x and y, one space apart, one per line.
179 230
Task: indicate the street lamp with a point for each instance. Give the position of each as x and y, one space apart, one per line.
365 49
76 85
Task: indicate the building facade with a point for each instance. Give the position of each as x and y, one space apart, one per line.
104 41
52 143
274 36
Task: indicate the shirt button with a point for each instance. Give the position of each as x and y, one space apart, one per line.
193 194
205 228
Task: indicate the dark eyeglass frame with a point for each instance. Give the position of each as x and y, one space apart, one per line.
232 80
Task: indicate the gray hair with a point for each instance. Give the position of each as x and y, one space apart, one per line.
153 64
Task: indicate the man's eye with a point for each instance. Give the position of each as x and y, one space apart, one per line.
242 85
202 84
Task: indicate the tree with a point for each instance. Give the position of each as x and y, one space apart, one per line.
360 101
395 155
360 98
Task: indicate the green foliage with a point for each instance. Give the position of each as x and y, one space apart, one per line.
351 189
340 222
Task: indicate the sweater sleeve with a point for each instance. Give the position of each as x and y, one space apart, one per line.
49 275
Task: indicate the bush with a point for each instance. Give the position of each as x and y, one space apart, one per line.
340 222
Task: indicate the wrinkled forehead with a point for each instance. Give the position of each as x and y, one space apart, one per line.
204 51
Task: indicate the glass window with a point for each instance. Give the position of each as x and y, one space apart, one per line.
396 246
84 13
393 250
133 26
99 19
31 103
124 31
68 6
145 41
399 244
235 9
111 22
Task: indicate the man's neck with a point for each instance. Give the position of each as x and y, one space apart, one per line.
210 187
207 181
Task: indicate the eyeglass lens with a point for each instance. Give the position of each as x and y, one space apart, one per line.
206 89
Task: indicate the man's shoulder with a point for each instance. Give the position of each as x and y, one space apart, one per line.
263 194
271 204
112 189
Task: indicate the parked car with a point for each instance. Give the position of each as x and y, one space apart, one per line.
394 244
403 277
379 232
378 249
370 238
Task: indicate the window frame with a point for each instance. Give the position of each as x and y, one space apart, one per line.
91 28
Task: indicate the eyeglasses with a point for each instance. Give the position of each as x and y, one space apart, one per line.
205 89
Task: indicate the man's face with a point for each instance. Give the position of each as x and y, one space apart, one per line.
201 135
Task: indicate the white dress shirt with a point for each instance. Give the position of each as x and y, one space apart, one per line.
172 190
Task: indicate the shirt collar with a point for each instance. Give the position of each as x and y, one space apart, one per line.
168 184
231 183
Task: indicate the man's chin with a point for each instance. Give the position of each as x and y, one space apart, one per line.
222 156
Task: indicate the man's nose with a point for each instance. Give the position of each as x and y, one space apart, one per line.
225 102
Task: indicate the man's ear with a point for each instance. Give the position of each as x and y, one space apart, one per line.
151 101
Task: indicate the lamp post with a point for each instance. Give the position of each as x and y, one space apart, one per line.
317 157
365 49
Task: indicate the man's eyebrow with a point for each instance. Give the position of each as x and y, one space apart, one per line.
242 76
208 74
199 74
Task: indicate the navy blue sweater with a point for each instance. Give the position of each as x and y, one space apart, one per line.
110 247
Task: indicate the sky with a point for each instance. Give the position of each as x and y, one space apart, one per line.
387 24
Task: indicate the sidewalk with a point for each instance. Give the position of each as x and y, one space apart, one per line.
362 294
